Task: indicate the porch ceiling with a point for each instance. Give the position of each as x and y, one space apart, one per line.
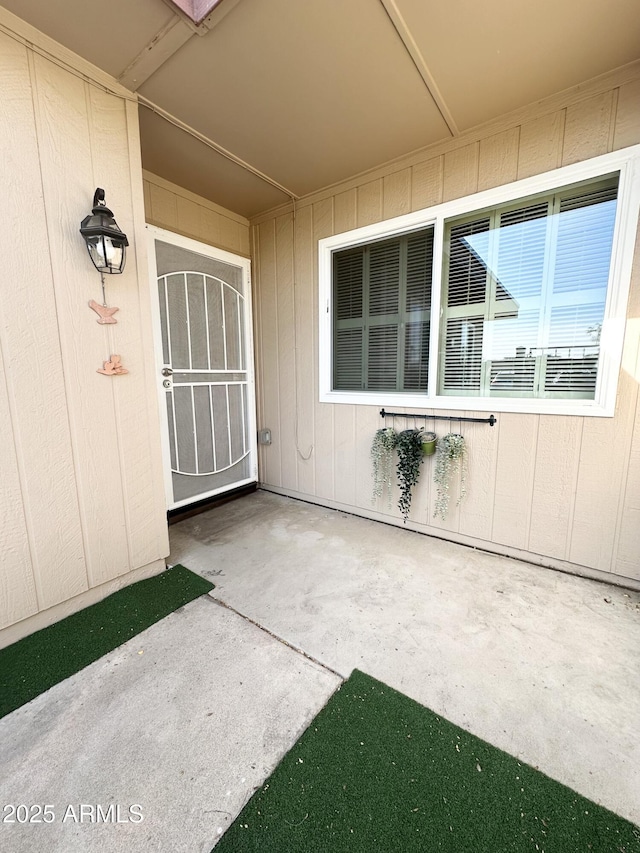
309 93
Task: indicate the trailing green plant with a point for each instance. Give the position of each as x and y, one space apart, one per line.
451 459
409 448
384 443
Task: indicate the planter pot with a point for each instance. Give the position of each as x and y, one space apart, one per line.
429 441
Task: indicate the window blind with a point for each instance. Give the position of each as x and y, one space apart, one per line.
381 314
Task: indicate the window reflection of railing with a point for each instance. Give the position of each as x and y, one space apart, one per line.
571 368
567 351
513 374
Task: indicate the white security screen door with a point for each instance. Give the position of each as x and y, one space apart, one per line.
204 364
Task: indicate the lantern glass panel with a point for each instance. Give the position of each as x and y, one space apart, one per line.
106 253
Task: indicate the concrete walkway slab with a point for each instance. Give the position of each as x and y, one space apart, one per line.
184 722
541 664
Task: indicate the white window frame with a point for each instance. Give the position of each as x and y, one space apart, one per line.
625 161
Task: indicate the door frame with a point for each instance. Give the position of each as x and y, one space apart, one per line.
154 233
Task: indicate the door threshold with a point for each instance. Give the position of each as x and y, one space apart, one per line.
182 512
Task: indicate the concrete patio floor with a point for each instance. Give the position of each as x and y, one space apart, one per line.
188 718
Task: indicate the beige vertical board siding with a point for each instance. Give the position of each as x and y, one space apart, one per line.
605 449
346 439
176 209
18 597
239 234
64 137
244 244
271 472
305 305
396 194
627 125
189 218
345 211
32 354
368 421
210 230
286 352
426 183
17 586
588 129
627 557
164 208
515 474
556 477
541 144
324 441
229 235
460 172
369 203
477 507
146 189
136 399
498 159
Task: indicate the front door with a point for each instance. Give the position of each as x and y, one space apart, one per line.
204 367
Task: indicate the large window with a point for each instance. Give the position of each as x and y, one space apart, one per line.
506 300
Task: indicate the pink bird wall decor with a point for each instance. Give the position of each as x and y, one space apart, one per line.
105 314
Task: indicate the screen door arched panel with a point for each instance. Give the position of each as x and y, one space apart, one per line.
205 368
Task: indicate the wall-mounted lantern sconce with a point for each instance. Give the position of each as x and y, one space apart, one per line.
106 243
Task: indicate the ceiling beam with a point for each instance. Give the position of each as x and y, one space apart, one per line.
168 41
401 27
162 46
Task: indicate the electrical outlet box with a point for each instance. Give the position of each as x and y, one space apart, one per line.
264 436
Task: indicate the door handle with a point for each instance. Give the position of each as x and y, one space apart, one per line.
166 371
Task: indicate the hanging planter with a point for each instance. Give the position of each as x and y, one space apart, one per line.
451 460
384 443
409 447
429 442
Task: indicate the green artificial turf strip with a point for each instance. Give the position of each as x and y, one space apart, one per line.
376 772
36 663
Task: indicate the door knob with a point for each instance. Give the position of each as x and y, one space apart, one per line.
166 371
